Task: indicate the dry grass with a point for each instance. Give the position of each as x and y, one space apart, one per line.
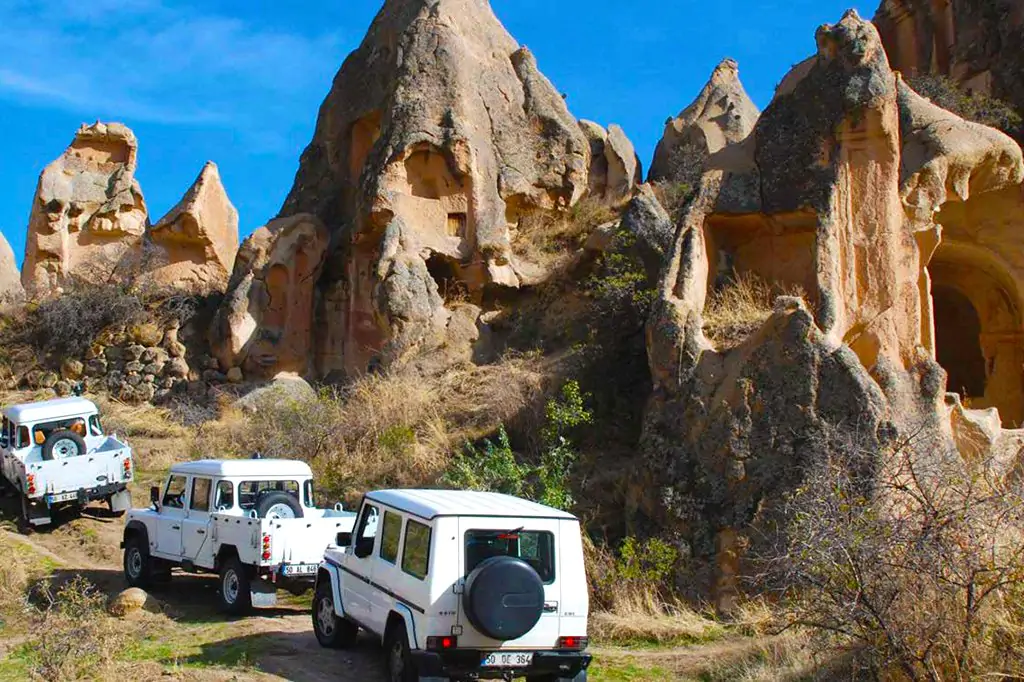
640 617
737 309
545 237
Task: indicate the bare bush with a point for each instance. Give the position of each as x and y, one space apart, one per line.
911 557
980 108
545 236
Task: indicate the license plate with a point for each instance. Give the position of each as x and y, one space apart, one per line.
507 660
300 569
61 497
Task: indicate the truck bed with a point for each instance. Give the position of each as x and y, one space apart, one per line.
294 542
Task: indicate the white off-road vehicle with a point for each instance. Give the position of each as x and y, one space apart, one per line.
460 585
253 521
55 453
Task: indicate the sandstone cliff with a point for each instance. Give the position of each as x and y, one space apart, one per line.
835 191
974 42
439 137
88 213
10 276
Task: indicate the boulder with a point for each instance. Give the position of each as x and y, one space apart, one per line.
146 334
265 325
722 115
176 368
440 136
88 215
284 387
10 276
198 239
132 601
72 369
235 375
646 219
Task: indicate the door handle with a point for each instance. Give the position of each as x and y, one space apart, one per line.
175 527
201 531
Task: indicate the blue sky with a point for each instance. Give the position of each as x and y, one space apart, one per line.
240 81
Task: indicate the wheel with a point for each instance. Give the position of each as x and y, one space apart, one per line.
278 505
581 677
63 444
331 631
400 667
235 588
138 565
503 598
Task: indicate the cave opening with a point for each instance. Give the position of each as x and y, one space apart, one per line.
958 342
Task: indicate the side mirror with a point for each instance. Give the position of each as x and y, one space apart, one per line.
343 539
154 495
364 547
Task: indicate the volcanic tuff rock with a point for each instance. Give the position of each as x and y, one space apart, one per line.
722 114
439 136
265 325
820 195
614 166
975 42
88 213
10 277
198 239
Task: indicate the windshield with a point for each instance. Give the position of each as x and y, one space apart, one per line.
536 548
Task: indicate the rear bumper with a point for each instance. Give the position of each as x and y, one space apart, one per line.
466 663
83 495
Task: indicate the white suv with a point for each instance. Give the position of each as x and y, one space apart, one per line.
460 585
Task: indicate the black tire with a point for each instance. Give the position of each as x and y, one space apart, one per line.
63 444
396 648
269 504
138 564
235 588
332 631
503 598
581 677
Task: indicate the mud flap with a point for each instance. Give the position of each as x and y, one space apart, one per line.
264 595
121 501
35 513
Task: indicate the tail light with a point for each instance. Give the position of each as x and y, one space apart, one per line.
574 643
30 484
127 468
442 643
266 547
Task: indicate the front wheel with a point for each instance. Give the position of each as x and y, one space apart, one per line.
400 666
138 565
235 588
331 631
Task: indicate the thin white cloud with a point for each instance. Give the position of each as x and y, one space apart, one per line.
151 61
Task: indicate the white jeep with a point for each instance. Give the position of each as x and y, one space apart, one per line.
460 585
253 521
55 453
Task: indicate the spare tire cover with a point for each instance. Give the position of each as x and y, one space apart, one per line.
503 598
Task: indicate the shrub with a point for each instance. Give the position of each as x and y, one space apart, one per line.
492 467
977 107
911 557
544 236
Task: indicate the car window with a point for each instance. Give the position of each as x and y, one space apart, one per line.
200 499
43 431
95 428
307 494
225 495
368 522
416 553
22 437
249 491
174 495
391 537
536 548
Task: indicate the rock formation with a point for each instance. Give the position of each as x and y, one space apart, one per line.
196 242
265 325
614 166
722 114
438 138
10 276
974 42
823 195
88 213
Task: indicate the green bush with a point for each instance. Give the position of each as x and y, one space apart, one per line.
492 467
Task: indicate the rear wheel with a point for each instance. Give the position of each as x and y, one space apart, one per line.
400 667
332 631
235 588
581 677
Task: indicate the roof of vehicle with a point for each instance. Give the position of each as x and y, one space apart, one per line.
50 409
257 468
429 504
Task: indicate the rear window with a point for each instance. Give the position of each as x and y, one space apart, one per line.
249 491
391 536
536 548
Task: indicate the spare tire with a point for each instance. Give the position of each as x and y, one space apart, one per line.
63 444
278 505
503 598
